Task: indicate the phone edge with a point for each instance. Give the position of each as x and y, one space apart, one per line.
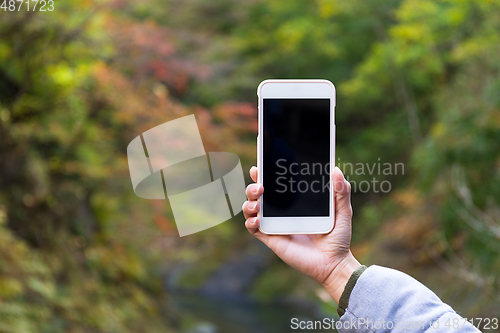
332 161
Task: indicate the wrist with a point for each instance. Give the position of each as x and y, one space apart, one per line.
335 283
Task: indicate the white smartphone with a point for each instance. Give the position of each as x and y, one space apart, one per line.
296 155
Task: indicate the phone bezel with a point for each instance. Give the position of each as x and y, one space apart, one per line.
303 89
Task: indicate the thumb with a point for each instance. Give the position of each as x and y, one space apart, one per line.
342 194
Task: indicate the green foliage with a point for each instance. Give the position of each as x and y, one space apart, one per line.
34 299
417 83
62 267
277 282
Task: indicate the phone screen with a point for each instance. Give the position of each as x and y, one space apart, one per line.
296 157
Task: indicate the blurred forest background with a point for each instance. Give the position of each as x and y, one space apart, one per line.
418 82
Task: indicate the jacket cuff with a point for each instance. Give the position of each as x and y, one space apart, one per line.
346 294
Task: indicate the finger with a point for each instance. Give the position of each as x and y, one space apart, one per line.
342 189
276 243
252 224
250 208
254 173
254 191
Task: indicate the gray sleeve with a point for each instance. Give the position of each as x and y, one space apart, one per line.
386 300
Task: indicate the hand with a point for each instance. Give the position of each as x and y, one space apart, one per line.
325 258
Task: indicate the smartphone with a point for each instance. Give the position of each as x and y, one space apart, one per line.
296 155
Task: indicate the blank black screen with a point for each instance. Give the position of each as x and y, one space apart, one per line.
296 156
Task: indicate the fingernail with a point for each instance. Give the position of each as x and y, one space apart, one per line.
254 221
253 205
256 188
340 171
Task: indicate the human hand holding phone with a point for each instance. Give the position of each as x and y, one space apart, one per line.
326 258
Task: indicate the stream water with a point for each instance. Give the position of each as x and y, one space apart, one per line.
209 315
